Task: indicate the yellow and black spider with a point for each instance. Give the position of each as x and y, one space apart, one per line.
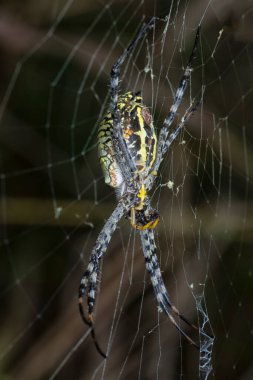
130 156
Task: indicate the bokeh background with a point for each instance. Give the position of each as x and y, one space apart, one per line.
54 71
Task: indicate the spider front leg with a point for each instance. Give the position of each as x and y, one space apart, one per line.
88 284
161 294
151 179
115 72
163 137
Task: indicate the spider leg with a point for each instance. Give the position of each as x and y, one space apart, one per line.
189 112
125 161
115 72
162 296
88 284
173 109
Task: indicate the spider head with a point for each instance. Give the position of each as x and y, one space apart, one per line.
144 219
142 215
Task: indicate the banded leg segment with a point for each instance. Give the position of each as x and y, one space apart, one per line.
150 180
126 163
115 72
188 114
88 284
161 294
89 278
163 137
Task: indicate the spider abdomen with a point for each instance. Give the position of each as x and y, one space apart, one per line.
138 133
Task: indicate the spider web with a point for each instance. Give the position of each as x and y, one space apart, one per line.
54 90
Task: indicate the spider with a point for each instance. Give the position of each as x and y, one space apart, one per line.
130 155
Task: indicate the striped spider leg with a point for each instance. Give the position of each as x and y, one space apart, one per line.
88 283
166 137
115 71
161 294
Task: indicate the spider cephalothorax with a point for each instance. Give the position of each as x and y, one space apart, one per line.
130 156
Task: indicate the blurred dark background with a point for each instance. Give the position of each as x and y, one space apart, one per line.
55 63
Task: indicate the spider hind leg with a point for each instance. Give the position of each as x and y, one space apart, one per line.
162 297
89 321
88 283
